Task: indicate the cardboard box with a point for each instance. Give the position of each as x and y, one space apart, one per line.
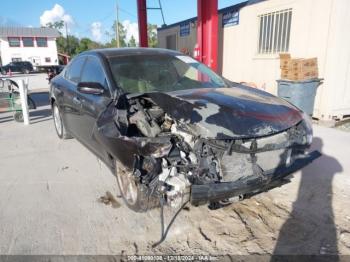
285 56
284 60
294 75
303 65
297 69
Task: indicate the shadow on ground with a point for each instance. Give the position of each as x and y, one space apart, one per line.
310 228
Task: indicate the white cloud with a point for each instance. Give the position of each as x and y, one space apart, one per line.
96 31
57 13
131 30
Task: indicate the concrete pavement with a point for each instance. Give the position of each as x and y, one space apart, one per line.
49 191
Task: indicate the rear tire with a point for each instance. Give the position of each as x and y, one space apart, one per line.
135 195
59 124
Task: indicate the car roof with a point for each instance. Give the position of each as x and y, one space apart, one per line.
114 52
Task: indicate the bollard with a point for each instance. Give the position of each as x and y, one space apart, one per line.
24 101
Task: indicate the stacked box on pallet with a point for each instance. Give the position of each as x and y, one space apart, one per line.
298 69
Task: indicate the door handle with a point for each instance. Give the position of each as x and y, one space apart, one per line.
76 100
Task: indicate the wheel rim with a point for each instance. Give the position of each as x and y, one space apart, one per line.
127 185
57 120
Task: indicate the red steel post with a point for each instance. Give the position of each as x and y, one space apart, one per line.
207 32
142 21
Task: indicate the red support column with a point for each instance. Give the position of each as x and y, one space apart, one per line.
142 21
207 32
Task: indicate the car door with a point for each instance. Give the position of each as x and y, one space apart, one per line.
14 67
70 103
92 105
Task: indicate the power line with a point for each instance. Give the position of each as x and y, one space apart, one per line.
127 12
101 20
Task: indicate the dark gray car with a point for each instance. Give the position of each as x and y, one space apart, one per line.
173 131
24 67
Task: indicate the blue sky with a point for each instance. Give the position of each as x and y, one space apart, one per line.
93 18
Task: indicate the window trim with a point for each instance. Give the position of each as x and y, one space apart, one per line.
36 40
28 37
17 37
269 40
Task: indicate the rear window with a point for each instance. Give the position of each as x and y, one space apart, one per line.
74 69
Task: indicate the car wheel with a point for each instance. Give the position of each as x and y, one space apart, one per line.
3 72
59 124
18 116
26 71
136 196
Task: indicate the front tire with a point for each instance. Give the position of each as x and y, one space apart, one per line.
59 124
136 196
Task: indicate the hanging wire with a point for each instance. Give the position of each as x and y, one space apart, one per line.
161 11
165 233
158 8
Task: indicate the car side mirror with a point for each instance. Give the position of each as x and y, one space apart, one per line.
91 88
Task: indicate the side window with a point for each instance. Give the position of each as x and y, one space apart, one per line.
73 72
93 72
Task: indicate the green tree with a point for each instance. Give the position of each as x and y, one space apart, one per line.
152 35
132 42
122 36
61 43
57 25
87 44
68 45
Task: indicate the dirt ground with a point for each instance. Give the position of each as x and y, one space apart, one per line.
50 203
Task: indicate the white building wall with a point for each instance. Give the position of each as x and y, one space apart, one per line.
319 29
28 53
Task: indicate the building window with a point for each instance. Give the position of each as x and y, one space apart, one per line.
28 41
14 41
41 41
274 32
47 59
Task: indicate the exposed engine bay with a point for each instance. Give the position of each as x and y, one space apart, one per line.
169 157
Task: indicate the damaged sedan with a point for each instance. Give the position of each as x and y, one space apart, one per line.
172 131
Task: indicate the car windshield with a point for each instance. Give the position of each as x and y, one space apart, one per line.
162 73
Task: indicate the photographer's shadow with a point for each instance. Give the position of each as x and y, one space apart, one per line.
310 228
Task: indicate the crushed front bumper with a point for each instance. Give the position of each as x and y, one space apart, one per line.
202 194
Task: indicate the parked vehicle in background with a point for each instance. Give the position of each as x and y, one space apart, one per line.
173 131
53 71
24 67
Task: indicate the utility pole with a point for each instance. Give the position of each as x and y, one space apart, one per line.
67 41
117 26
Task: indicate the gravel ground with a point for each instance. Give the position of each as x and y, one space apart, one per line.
50 202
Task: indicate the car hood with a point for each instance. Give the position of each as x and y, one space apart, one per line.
235 112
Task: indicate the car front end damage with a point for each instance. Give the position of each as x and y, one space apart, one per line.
168 153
